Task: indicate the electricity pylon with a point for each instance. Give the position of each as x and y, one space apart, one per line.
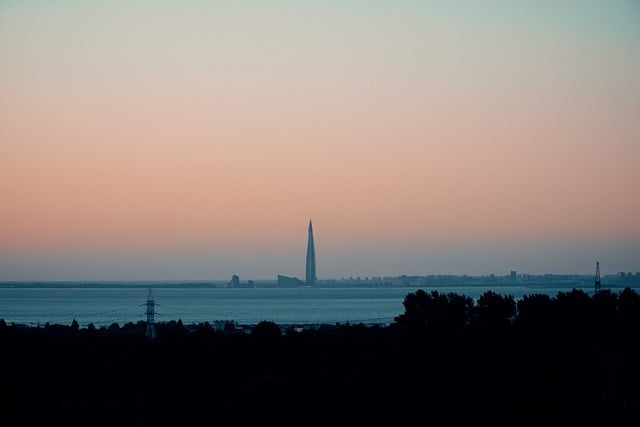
597 284
150 312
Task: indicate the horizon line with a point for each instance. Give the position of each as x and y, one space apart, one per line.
360 278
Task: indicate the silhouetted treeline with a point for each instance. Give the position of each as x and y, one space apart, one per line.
576 310
573 359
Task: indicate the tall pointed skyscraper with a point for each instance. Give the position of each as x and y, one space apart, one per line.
311 259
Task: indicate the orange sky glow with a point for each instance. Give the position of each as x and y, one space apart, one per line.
203 129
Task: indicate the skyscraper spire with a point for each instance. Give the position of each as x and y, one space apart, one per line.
311 259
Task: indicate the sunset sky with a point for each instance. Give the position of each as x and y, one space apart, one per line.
188 140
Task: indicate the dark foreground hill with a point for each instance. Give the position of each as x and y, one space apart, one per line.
448 360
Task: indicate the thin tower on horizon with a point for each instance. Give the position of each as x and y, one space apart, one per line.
310 278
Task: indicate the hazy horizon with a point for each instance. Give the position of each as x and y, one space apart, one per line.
194 140
333 263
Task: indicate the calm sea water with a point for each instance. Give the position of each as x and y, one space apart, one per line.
103 306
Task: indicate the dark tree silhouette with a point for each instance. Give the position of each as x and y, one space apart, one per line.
229 327
495 311
436 311
604 308
415 310
266 329
629 308
535 311
460 310
574 310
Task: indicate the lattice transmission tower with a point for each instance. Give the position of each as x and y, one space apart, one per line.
597 282
150 312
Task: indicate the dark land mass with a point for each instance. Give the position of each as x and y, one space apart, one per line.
447 360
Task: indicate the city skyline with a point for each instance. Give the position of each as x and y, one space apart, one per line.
581 268
193 140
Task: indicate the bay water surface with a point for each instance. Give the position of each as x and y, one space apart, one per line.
104 305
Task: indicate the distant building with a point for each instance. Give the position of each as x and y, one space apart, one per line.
286 281
310 278
235 281
514 275
310 271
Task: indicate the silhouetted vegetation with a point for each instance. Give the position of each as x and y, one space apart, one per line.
266 330
572 359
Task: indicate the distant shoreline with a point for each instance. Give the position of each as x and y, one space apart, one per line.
333 284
